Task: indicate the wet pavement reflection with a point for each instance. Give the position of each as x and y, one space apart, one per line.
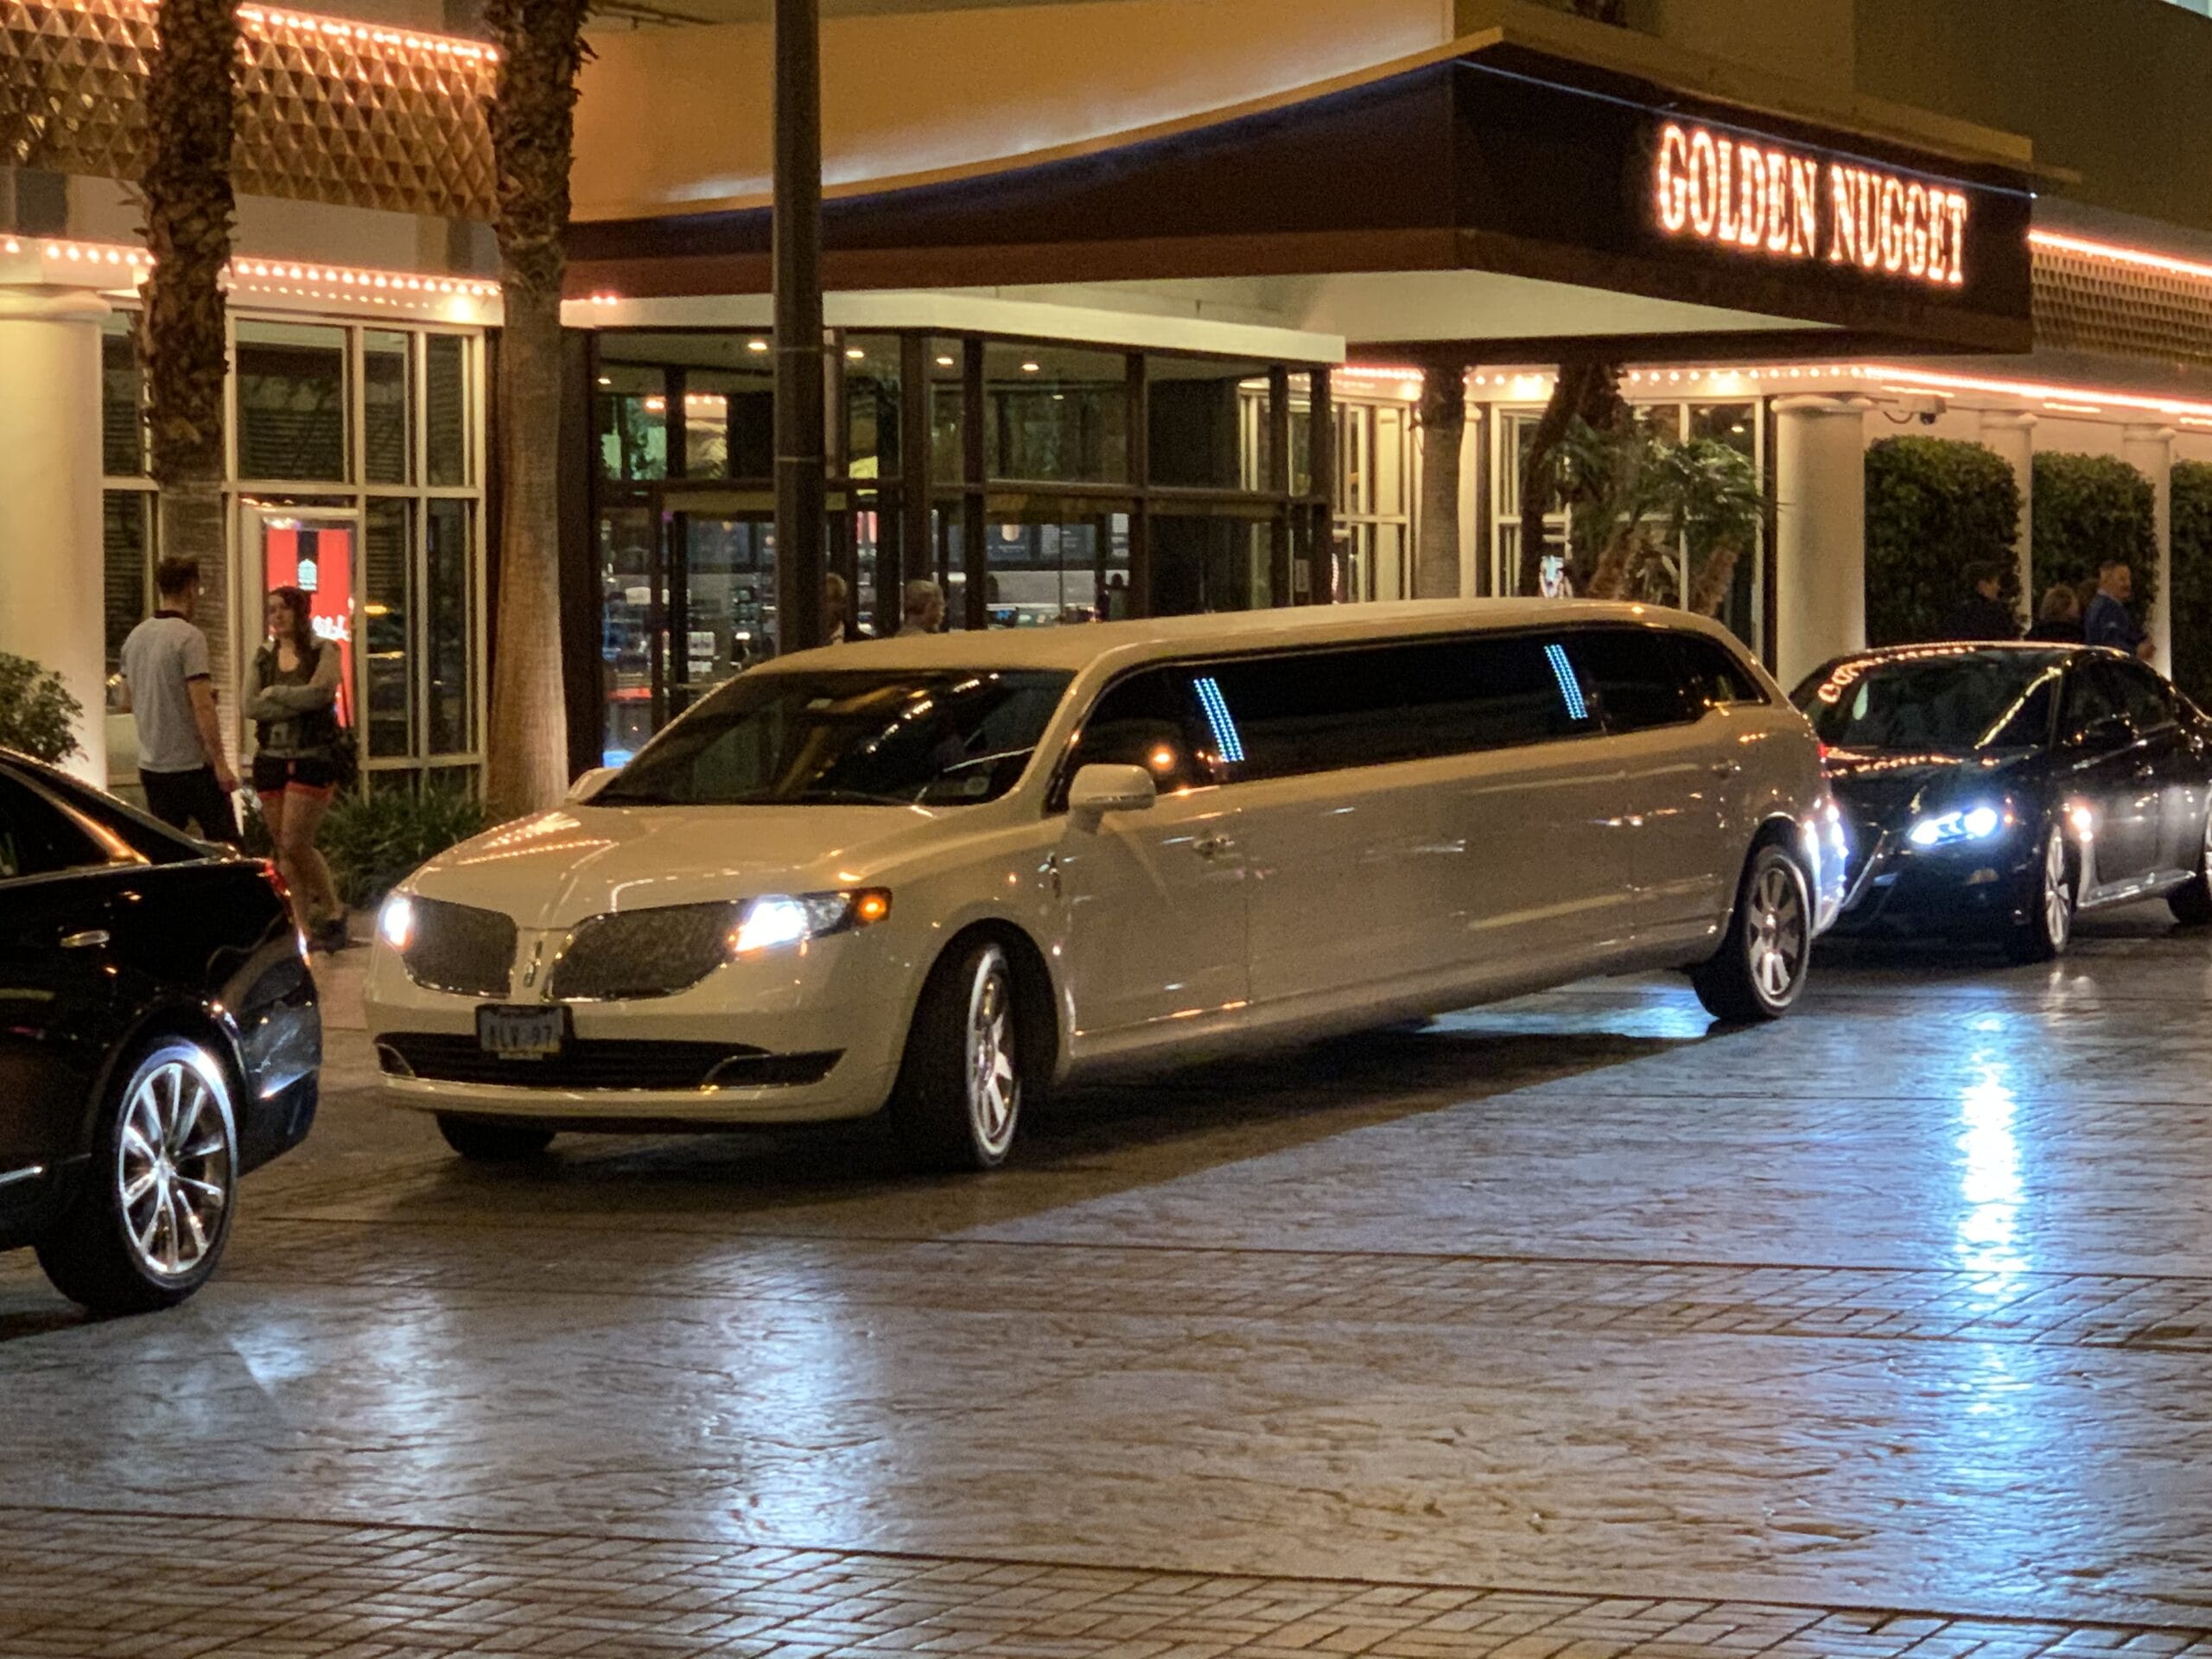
1575 1309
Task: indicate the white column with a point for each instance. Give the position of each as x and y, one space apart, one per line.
2013 435
50 553
1820 531
2150 450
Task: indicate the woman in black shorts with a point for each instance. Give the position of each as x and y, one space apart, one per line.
291 695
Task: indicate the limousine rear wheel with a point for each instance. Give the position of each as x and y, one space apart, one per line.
958 1098
1760 967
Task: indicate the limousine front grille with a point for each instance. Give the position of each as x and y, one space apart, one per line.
459 948
640 953
600 1063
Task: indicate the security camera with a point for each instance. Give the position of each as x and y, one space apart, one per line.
1926 405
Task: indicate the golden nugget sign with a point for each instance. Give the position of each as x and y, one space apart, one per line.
1766 199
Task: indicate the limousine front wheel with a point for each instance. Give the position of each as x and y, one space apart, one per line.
1760 967
959 1092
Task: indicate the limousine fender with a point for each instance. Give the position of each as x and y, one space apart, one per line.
1042 1012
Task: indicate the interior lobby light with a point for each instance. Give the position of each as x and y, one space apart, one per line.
756 345
1030 368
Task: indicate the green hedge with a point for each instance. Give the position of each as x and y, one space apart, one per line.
2192 597
1934 505
2088 509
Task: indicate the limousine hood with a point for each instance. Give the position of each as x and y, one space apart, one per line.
557 868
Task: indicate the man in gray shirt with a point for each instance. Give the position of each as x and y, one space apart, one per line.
165 675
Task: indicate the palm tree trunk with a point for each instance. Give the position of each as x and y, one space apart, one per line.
1443 418
1714 578
191 113
532 118
1589 387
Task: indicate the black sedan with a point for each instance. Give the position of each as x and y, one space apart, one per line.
1998 790
159 1036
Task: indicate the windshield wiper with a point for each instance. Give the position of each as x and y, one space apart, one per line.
856 797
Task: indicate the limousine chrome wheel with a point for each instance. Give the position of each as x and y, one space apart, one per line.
1760 967
958 1098
152 1219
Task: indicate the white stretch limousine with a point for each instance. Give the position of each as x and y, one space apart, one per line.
939 875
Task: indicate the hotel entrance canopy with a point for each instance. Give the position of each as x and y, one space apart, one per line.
1494 196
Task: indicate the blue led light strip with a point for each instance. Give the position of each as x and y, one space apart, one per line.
1569 686
1218 716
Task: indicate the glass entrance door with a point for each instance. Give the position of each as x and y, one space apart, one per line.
319 552
687 599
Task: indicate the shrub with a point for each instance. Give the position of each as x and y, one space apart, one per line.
2090 508
2192 577
372 841
38 717
1934 505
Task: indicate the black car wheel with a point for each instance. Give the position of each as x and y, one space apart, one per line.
1760 967
2048 927
958 1098
2192 902
483 1143
155 1211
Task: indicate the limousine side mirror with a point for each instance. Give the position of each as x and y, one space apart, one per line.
1100 788
590 783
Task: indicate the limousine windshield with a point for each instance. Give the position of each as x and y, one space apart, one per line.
894 737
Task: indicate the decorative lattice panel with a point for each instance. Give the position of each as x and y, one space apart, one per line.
332 112
2152 309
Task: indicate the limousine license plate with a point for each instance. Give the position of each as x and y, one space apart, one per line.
522 1033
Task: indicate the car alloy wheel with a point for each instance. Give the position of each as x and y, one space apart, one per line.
1775 934
2057 902
174 1167
994 1082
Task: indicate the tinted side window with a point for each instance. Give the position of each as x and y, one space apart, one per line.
1327 710
1716 677
1635 676
2092 695
2150 706
1150 720
38 838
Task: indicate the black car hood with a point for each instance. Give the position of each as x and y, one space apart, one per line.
1880 787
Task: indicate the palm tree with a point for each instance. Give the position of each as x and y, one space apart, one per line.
1638 503
532 118
1588 391
1442 417
191 113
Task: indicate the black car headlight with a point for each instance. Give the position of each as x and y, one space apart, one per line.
1982 821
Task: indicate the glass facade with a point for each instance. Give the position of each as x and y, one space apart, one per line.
357 475
1038 482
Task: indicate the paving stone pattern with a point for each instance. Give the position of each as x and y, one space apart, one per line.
1568 1328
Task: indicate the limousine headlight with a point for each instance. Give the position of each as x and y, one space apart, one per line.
1970 824
775 920
396 921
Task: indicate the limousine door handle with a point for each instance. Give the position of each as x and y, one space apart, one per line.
1212 846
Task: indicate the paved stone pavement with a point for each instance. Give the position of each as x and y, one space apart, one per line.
1564 1328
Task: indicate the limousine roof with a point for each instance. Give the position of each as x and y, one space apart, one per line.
1076 646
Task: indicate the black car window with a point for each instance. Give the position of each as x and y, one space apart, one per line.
2093 694
1932 700
149 838
1638 680
1150 720
38 836
1716 677
1365 706
2149 704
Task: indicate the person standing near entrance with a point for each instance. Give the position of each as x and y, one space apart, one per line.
2108 621
922 607
171 697
291 696
1981 614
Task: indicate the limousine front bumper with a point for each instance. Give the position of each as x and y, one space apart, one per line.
800 1036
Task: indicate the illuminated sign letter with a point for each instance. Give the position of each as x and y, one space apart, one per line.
1704 169
1778 167
1917 226
1843 222
1729 223
1752 162
1954 206
1673 182
1892 216
1866 195
1805 197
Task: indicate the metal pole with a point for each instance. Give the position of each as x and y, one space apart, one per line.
797 239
